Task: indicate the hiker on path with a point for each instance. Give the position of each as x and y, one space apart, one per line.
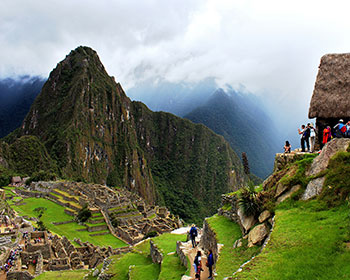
312 137
210 263
302 137
198 264
287 147
193 235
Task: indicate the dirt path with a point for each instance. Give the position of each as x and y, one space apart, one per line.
2 275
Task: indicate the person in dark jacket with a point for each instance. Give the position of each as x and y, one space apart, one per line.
193 235
210 261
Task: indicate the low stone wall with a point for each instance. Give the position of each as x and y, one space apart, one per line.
69 212
97 228
208 240
19 275
181 253
64 223
156 255
30 193
99 234
282 159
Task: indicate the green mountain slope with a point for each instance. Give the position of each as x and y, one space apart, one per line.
96 134
244 124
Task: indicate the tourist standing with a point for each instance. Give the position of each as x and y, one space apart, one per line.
193 235
210 263
302 137
312 137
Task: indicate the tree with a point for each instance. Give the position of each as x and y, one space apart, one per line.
84 214
245 163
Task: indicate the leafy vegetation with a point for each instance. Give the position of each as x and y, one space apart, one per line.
84 214
250 201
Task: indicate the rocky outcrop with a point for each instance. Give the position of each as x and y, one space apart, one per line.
245 222
314 187
289 193
320 163
264 216
257 235
283 159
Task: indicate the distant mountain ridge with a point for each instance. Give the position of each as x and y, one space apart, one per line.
244 124
16 97
93 132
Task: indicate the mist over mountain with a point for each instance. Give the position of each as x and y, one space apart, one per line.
16 97
175 98
244 123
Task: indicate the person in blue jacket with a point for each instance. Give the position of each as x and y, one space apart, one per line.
193 235
210 263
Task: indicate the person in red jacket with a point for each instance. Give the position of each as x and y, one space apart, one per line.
326 135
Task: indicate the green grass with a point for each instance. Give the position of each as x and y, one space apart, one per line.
120 266
227 232
72 274
171 266
55 213
144 268
308 242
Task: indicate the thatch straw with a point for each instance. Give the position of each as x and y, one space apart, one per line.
331 97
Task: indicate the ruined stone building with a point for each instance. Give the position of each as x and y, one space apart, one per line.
331 97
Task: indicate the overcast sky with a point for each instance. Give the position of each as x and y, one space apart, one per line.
270 47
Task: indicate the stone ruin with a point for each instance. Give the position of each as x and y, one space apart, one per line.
126 214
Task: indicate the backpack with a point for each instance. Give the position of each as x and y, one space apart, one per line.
343 129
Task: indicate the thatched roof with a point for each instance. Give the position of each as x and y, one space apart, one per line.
331 97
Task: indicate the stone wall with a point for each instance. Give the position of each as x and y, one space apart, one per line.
156 255
180 252
19 275
97 228
208 240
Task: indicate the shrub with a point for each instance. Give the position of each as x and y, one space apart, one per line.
41 176
151 234
84 214
250 201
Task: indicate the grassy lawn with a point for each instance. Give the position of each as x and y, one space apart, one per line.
71 274
227 233
55 213
171 266
308 242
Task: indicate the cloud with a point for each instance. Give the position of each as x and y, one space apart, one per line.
271 47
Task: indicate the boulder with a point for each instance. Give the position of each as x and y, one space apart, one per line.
320 163
289 193
246 222
257 235
280 189
314 187
264 216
